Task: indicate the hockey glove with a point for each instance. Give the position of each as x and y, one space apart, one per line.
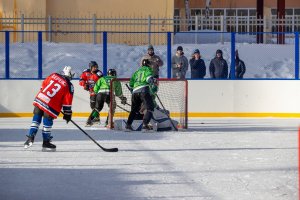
86 87
67 115
123 100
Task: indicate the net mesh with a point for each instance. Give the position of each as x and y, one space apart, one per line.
171 95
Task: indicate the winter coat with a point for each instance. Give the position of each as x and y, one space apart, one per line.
240 69
155 63
218 68
179 73
198 68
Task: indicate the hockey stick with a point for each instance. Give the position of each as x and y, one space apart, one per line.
166 113
104 149
123 108
128 88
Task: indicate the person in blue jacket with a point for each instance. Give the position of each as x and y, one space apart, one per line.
198 68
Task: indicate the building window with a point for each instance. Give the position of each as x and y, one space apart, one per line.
231 12
176 12
297 11
195 12
289 11
204 11
242 12
252 12
218 12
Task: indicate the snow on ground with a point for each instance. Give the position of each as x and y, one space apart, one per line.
262 60
216 159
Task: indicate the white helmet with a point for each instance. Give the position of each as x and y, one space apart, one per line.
67 71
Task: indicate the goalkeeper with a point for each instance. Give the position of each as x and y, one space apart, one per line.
102 89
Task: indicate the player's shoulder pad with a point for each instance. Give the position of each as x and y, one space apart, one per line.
86 70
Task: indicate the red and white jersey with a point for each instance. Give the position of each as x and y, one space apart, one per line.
56 93
90 79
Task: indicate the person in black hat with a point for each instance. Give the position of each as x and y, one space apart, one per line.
179 64
218 67
198 68
155 61
240 67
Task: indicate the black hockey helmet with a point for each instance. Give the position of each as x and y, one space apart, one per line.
219 51
112 72
92 64
146 62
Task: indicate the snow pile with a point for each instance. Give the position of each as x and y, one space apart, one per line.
262 60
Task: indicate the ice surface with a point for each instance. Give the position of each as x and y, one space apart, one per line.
219 159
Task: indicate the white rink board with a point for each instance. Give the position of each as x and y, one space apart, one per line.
261 96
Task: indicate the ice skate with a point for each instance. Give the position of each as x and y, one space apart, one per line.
128 128
95 121
89 123
29 142
48 146
147 128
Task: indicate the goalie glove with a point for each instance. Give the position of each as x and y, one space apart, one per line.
123 100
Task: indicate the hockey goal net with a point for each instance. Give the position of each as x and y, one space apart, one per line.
172 93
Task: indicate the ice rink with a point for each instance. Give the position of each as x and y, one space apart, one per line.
216 158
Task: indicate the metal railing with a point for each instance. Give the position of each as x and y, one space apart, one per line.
39 58
139 24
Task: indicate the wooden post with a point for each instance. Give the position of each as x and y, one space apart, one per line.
281 21
259 16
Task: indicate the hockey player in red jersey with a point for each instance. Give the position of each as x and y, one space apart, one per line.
56 94
87 80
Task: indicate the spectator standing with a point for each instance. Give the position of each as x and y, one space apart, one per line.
240 67
198 68
179 64
155 61
218 67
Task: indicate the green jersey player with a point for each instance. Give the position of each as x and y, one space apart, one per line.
102 89
140 83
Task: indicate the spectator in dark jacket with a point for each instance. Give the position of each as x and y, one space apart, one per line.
218 67
198 68
240 67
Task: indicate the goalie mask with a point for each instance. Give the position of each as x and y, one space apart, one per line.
112 72
67 72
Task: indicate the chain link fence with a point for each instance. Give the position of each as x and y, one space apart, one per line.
123 51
